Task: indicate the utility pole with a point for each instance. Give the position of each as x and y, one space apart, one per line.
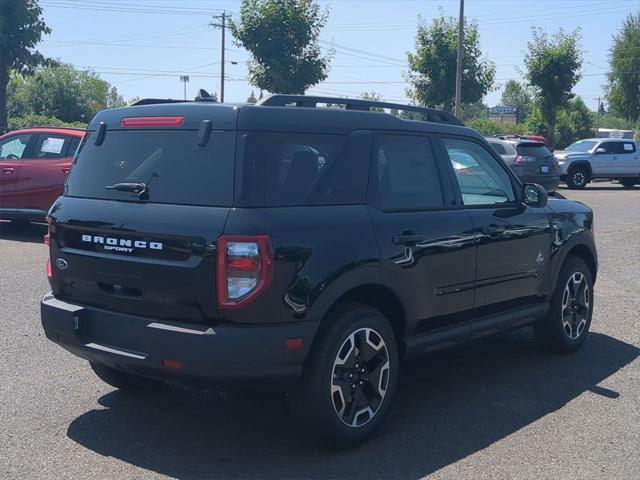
184 79
458 106
223 26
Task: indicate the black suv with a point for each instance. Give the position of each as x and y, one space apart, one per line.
321 247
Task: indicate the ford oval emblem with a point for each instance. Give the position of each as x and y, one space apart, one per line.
62 264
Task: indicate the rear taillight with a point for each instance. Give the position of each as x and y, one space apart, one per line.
245 268
525 159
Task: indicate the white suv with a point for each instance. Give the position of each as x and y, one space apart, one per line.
591 158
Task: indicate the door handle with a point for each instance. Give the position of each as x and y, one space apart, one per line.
8 170
493 229
407 239
65 170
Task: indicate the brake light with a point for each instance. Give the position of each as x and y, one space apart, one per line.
245 268
173 121
48 270
47 241
525 159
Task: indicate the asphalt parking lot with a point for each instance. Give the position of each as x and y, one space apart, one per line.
501 408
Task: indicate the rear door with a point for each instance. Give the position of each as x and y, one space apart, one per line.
149 253
426 243
625 160
13 149
513 241
42 175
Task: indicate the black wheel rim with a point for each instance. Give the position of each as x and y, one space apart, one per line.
576 301
360 377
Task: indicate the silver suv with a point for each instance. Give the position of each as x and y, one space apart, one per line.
530 160
591 158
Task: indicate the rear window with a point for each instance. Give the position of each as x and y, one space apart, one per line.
174 167
297 169
538 150
499 148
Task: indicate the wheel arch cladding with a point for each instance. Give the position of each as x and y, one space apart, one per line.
583 252
377 296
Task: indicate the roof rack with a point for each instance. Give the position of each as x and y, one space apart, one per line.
57 127
428 114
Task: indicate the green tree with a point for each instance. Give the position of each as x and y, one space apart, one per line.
252 98
21 28
623 89
282 36
432 67
374 97
62 92
553 68
517 95
474 110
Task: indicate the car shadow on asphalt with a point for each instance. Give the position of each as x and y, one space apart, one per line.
609 187
448 406
22 232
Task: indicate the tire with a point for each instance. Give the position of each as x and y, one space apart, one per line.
577 178
628 182
124 381
566 326
322 406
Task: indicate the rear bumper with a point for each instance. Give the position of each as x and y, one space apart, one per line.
139 345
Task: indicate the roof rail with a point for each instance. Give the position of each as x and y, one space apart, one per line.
428 114
60 127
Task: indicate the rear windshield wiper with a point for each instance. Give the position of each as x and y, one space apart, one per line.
128 187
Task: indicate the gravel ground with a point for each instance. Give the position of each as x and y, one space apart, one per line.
501 408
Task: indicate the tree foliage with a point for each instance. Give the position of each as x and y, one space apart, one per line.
432 66
623 89
553 68
282 36
519 96
21 28
61 92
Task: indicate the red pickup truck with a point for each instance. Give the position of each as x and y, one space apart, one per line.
34 164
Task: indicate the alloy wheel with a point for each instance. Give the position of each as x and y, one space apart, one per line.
360 377
576 300
579 179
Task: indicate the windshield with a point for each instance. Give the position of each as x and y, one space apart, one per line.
582 146
170 166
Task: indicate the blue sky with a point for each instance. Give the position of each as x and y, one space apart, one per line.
143 46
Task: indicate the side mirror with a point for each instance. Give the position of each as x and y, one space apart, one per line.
600 150
534 195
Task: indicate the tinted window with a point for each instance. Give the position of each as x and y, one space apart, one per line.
499 148
289 169
50 146
538 150
611 147
623 147
481 179
176 169
73 146
405 175
12 148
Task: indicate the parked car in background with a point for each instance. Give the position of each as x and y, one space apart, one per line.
530 160
34 164
609 158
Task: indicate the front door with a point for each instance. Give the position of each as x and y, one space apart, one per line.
43 173
12 150
512 241
426 243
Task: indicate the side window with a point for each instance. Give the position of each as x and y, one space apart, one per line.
609 147
50 146
13 148
627 147
481 179
405 176
499 148
73 146
293 169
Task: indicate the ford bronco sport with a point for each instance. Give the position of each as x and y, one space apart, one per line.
321 247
